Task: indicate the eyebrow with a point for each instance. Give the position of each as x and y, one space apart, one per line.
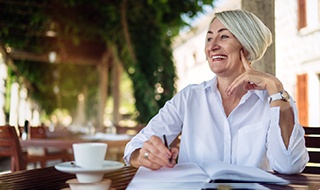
220 30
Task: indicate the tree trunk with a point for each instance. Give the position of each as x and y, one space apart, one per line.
116 71
103 89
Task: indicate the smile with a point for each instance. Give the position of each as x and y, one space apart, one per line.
219 57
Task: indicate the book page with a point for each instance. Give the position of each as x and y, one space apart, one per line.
194 186
218 170
191 176
184 172
166 186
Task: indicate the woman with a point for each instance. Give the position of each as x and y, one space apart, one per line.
241 116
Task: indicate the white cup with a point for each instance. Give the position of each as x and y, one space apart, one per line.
89 156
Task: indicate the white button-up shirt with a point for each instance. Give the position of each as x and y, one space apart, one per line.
249 136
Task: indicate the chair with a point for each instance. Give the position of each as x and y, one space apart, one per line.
48 154
312 138
10 147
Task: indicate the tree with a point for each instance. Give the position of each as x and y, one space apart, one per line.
138 33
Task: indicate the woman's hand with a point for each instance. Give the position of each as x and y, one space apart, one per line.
254 80
154 155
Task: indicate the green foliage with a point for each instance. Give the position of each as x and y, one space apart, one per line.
152 25
138 33
23 25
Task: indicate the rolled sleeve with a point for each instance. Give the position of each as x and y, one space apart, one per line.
168 121
283 160
135 143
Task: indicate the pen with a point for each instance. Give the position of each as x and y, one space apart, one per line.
166 144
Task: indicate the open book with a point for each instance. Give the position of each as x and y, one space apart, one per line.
192 176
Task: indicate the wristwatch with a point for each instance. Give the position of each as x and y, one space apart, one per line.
282 95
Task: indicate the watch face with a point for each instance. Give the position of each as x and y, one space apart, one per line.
285 95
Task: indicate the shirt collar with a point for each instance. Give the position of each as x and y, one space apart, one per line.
211 83
260 93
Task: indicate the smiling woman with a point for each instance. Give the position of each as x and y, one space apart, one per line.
231 117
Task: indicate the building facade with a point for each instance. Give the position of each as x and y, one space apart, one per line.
298 54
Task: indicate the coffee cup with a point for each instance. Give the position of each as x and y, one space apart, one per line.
89 156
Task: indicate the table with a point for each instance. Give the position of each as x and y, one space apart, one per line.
115 146
67 143
50 178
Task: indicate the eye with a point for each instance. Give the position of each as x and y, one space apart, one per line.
224 36
209 39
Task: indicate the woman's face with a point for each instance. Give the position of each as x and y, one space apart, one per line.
223 51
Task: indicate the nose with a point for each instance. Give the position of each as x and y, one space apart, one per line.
212 45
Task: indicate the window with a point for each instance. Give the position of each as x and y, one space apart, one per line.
308 13
302 99
302 20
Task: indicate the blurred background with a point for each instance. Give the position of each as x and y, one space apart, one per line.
92 65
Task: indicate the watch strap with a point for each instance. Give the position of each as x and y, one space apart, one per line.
276 96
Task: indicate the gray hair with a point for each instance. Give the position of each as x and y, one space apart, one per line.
253 35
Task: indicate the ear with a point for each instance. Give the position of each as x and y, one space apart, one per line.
247 54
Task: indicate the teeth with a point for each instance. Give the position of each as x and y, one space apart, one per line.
218 57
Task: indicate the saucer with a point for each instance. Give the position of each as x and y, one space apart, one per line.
108 166
89 175
74 184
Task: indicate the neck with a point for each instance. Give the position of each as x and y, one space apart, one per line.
229 102
223 84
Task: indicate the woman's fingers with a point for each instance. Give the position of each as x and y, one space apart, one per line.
242 78
249 80
154 154
146 160
175 153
